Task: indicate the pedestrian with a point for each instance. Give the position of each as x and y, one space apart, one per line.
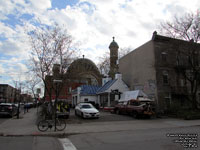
49 111
24 108
65 107
27 107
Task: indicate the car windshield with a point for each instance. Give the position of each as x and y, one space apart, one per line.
86 106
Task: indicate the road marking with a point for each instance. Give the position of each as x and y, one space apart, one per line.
67 144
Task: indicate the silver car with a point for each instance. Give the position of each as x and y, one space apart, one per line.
86 110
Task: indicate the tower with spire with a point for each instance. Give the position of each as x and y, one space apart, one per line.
113 58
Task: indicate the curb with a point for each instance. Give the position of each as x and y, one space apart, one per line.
39 134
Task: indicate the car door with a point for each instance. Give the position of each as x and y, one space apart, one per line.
79 109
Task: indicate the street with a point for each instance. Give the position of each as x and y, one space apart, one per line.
119 140
104 117
110 131
154 139
29 143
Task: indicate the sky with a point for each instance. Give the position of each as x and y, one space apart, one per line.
92 23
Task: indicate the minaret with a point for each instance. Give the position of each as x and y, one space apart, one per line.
113 58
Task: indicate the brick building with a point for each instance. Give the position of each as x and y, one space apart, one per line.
81 72
9 94
153 70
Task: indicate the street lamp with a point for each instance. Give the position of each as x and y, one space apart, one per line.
55 103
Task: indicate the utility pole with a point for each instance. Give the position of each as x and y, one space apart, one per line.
55 103
38 96
19 100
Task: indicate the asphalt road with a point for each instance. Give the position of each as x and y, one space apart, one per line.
104 117
30 143
155 139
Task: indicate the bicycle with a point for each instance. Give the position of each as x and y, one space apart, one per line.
44 125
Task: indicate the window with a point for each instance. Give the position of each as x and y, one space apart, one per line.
134 103
167 98
182 82
165 77
177 60
199 97
70 89
196 60
164 56
86 100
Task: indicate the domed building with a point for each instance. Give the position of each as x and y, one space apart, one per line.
82 71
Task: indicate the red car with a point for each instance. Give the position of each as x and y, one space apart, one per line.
136 108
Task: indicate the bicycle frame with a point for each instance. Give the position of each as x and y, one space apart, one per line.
44 125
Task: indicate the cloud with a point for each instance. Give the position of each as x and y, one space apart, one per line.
41 4
15 41
9 47
13 68
91 23
1 69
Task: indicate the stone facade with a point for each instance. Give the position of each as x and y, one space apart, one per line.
153 70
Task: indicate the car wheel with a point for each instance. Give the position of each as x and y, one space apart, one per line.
82 115
135 114
11 115
76 113
118 112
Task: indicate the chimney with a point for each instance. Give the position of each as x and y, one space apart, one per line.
154 35
105 80
118 76
56 69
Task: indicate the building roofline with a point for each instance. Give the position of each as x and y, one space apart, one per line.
106 86
156 37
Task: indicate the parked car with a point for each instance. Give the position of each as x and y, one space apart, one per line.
19 107
136 108
86 110
8 109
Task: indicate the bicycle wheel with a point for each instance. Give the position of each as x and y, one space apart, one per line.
60 125
43 125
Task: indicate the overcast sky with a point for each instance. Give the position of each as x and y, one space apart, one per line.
92 23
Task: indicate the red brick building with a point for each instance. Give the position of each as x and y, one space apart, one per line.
81 71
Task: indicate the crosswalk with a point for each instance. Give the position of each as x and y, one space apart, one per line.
67 144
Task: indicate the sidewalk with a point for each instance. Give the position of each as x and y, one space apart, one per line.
27 125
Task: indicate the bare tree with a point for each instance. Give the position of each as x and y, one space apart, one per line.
187 28
104 64
123 51
104 61
31 84
18 94
51 45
